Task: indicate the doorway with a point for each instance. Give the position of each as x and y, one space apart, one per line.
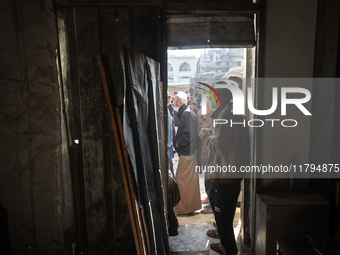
185 67
212 31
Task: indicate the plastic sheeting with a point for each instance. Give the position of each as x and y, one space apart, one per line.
142 115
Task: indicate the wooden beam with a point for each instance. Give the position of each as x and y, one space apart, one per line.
212 7
171 8
123 4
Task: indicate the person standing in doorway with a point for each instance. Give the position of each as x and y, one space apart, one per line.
228 146
186 146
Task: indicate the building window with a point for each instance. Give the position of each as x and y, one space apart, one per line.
185 67
184 80
170 68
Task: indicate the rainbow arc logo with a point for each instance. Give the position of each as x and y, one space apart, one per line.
209 93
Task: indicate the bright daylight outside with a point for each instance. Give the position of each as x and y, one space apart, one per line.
207 65
203 63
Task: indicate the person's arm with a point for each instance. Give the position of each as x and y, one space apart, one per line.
217 141
205 131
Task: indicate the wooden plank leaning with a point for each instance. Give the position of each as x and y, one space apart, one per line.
117 127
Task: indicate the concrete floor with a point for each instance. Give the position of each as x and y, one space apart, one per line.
192 238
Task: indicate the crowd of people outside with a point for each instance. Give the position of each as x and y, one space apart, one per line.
192 136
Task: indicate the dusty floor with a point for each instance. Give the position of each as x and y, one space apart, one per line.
192 238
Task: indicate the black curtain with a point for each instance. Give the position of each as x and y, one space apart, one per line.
142 128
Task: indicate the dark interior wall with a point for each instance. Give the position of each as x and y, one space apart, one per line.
300 39
98 193
30 126
325 142
102 217
325 97
41 155
286 51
